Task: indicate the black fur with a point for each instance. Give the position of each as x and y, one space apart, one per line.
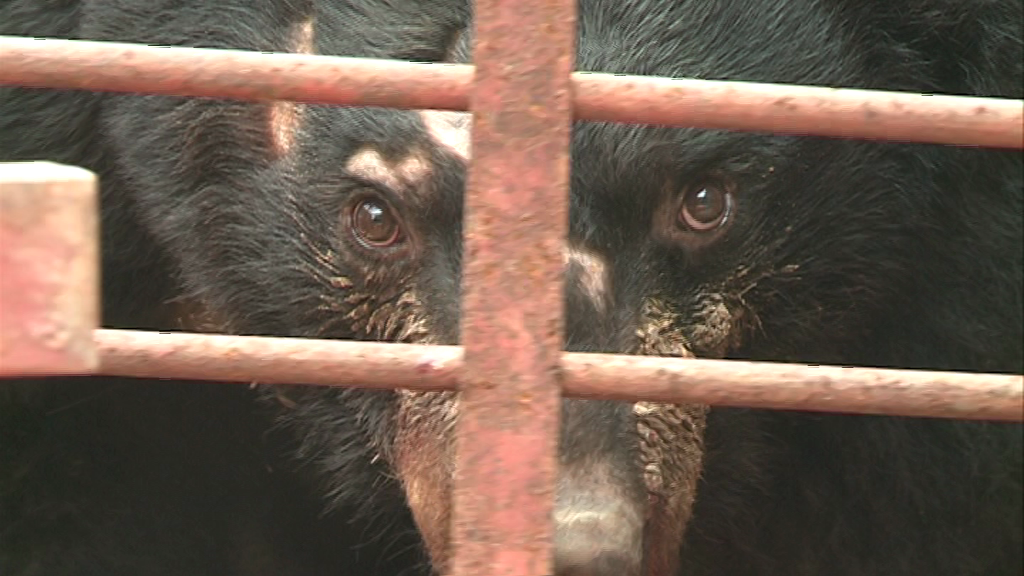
837 252
851 253
102 476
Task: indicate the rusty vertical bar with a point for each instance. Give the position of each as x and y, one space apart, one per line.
516 223
49 269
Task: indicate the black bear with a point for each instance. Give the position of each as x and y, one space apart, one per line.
121 476
332 222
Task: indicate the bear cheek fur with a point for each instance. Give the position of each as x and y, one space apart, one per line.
672 435
424 459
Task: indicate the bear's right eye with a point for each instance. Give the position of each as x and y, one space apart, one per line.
697 215
375 225
705 207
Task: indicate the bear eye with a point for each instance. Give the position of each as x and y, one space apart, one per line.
705 207
374 224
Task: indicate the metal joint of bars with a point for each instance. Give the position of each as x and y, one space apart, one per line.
523 97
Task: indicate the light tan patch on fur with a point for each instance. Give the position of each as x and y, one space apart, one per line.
593 506
284 126
404 174
672 441
190 315
450 130
304 37
424 456
447 129
592 274
285 118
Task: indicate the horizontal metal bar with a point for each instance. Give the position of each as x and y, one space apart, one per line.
802 110
49 269
232 74
630 378
190 356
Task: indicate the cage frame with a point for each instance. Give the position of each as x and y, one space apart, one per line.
511 372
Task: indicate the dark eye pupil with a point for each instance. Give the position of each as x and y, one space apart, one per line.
705 208
375 225
705 205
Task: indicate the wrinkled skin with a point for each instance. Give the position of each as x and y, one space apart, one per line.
278 219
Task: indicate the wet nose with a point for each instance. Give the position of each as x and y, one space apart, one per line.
597 537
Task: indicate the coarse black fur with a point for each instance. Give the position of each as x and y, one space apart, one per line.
846 252
839 252
127 477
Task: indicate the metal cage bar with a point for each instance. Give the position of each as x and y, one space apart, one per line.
419 367
517 206
49 269
802 110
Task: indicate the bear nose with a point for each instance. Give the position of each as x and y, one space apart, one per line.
597 537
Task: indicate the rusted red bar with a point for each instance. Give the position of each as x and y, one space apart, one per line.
802 110
798 386
517 206
218 358
232 74
49 269
248 359
240 75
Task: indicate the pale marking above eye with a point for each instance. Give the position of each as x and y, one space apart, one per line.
404 174
448 129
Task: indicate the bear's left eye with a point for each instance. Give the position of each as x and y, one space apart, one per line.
705 206
375 225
